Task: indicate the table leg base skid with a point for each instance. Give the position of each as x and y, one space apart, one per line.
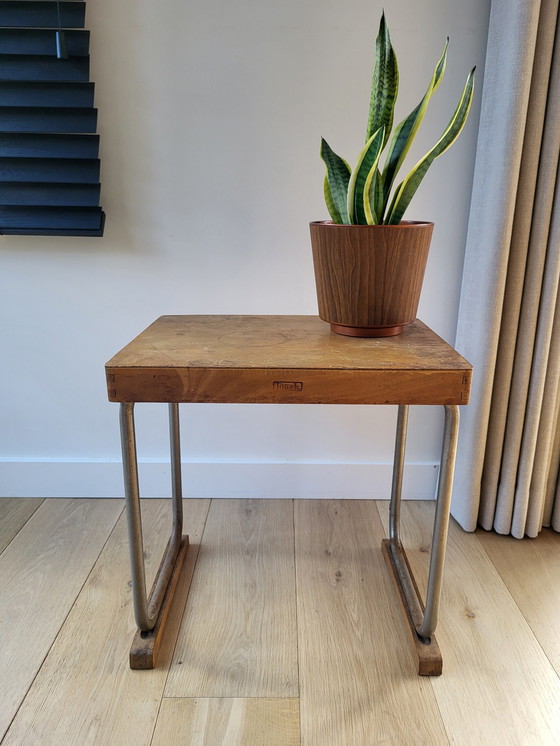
427 656
146 645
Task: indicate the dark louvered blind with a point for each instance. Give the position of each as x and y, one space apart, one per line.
49 152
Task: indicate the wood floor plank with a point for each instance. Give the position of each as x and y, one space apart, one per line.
85 692
239 635
498 685
357 678
42 571
358 685
531 571
14 514
228 722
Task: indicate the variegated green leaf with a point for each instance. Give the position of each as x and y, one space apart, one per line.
336 217
367 160
384 84
336 183
405 131
406 190
376 197
369 194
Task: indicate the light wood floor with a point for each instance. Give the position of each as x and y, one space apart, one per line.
291 633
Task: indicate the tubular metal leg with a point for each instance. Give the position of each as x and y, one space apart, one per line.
146 610
398 470
425 621
441 522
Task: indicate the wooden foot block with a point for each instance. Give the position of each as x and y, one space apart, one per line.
145 646
427 657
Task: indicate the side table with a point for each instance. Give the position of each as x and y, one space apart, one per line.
286 360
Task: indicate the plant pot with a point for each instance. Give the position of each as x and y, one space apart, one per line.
369 277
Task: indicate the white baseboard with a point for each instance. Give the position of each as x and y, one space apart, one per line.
75 478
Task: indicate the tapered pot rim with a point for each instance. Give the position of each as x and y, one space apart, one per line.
402 224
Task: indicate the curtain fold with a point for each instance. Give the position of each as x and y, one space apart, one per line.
509 316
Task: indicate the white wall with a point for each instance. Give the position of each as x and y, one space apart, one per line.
210 115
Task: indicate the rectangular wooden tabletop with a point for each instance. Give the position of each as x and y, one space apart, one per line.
284 359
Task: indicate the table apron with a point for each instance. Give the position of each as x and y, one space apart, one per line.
288 386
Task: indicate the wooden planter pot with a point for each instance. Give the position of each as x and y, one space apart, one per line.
369 277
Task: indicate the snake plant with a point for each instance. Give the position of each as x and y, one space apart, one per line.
362 195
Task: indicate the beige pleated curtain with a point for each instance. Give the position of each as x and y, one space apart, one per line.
508 466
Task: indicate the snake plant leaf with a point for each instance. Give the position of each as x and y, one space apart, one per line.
408 187
367 163
377 197
370 195
374 191
384 84
336 183
406 131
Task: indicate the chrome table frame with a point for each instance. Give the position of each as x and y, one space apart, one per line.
423 620
147 609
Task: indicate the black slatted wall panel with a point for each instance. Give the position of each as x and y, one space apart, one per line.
49 152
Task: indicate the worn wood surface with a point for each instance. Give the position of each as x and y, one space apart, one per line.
85 692
145 647
357 676
43 570
492 658
14 514
228 722
239 638
284 359
427 657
